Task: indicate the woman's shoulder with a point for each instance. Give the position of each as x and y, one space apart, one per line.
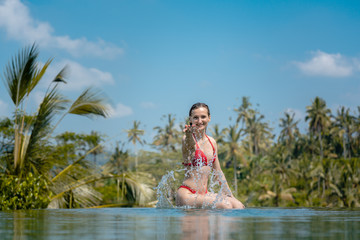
212 140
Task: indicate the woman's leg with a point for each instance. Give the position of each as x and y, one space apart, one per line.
185 198
236 203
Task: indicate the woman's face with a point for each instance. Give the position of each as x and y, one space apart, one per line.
200 118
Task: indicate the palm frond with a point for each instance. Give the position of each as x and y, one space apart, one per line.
135 188
51 104
90 103
60 77
111 205
74 164
38 74
19 74
82 196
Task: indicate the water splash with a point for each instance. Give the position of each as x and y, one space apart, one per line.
164 191
217 188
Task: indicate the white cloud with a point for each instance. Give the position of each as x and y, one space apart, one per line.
79 77
15 18
3 108
325 64
120 111
148 105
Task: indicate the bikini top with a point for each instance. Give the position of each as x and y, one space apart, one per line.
200 158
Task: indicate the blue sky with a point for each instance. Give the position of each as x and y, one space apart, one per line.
157 57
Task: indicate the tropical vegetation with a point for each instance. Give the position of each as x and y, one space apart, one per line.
319 167
37 171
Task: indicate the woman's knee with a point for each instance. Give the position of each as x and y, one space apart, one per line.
237 204
224 205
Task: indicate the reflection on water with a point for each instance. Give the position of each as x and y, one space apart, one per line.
150 223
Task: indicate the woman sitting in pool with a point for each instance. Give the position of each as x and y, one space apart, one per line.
200 158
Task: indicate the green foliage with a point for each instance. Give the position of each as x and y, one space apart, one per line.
109 193
30 192
134 136
318 168
26 147
168 137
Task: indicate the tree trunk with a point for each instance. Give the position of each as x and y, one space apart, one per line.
136 158
321 145
348 137
235 177
118 190
255 147
344 147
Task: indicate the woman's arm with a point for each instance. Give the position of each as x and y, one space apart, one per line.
220 175
188 144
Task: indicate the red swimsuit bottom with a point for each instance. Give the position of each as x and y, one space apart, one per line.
190 189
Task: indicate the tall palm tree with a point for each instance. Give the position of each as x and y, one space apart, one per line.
289 129
233 149
218 134
32 151
344 124
32 131
357 131
118 160
319 119
131 188
258 132
134 136
167 137
243 110
92 140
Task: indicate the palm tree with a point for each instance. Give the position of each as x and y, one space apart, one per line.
32 151
167 137
118 160
233 149
258 133
134 136
243 110
93 140
318 114
116 165
218 134
133 189
357 132
21 76
289 129
344 127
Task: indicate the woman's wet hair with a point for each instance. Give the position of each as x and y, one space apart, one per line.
199 105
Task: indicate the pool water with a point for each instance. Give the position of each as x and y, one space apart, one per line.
154 223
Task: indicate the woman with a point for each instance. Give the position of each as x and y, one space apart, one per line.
200 158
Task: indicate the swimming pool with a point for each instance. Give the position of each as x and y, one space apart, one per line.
154 223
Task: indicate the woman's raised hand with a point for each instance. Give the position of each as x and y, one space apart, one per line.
188 129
